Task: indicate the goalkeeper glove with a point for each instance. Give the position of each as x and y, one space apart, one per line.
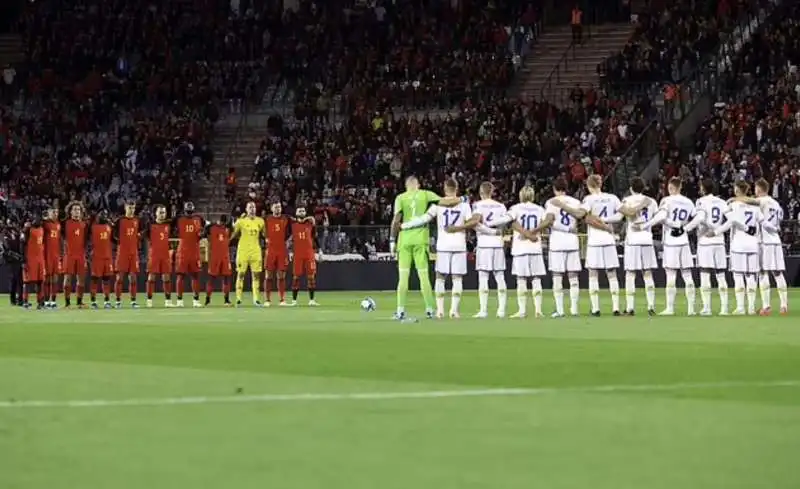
751 230
677 232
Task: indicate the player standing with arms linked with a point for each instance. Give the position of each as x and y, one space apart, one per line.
159 262
304 241
128 237
102 259
490 254
75 230
249 229
277 254
52 251
219 257
190 228
34 271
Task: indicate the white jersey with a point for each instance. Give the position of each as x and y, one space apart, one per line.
528 215
564 231
679 210
713 210
749 215
644 237
490 210
601 205
447 217
773 215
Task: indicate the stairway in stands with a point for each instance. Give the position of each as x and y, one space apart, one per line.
569 67
10 50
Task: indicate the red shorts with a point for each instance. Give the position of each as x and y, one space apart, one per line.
127 263
33 272
159 265
304 265
75 265
274 262
220 267
102 267
54 265
187 264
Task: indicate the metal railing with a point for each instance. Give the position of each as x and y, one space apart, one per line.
551 91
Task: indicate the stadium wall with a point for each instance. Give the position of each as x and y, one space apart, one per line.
382 275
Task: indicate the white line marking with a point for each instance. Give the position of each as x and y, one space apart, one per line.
384 396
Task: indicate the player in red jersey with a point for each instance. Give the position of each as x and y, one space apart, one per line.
304 242
219 257
52 253
128 237
159 262
75 230
102 259
276 258
33 274
190 229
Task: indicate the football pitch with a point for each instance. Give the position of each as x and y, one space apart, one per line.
304 398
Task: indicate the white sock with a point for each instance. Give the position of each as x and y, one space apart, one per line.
630 291
650 289
613 288
483 291
522 295
574 294
689 290
766 295
502 294
537 295
458 289
738 291
751 285
722 286
705 290
439 290
558 292
672 289
783 292
594 290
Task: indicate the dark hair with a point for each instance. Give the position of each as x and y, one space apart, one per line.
708 186
450 183
637 185
560 185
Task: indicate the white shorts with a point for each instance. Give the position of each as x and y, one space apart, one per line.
451 262
745 263
490 260
528 266
678 257
772 258
564 261
602 257
712 257
640 257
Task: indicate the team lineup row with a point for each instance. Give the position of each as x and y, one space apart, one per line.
55 248
753 225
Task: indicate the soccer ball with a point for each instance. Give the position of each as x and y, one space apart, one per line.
368 305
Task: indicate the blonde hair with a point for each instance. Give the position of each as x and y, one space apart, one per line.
527 194
594 181
486 189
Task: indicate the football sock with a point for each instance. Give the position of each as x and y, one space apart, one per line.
502 292
133 288
40 292
67 293
558 292
209 288
295 287
196 287
483 291
425 286
256 287
458 289
268 287
574 294
107 290
751 285
613 288
705 290
594 290
45 289
650 289
25 293
311 282
630 291
402 289
168 289
151 287
722 287
522 295
672 290
179 287
118 288
766 293
738 290
239 286
439 288
783 292
226 288
53 290
537 295
93 289
689 290
282 288
80 293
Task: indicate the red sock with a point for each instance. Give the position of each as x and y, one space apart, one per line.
282 288
226 286
196 286
151 287
132 287
80 292
44 290
168 288
209 286
268 288
92 289
53 290
118 288
40 292
106 289
179 287
67 291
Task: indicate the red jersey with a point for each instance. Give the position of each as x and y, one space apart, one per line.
34 245
128 229
303 237
159 239
75 240
190 229
101 241
219 241
277 232
52 241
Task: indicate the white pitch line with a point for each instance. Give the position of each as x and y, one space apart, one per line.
384 396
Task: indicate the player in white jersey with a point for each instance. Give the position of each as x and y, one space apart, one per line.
709 213
490 258
526 250
640 255
675 212
451 246
772 260
601 247
743 221
564 249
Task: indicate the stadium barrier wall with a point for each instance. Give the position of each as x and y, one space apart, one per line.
382 275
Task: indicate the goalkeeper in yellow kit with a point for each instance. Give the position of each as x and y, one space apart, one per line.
250 229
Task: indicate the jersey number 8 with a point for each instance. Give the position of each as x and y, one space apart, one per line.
565 218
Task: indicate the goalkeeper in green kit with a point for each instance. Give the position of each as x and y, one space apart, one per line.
412 245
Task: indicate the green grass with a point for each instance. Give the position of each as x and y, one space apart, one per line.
717 403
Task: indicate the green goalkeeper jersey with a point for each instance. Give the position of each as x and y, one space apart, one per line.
414 204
